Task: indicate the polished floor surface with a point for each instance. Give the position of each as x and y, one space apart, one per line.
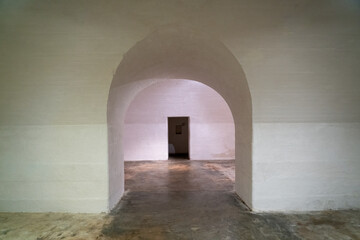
180 199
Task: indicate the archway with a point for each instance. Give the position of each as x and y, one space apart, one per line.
206 130
175 53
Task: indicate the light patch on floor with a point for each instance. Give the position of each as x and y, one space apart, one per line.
179 168
225 169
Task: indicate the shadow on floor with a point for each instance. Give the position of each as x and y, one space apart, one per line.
179 156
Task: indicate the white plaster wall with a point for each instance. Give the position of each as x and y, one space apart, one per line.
212 133
306 166
301 58
53 168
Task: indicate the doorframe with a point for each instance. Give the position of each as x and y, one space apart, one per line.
189 137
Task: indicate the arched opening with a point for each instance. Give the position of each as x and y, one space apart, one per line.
175 53
180 119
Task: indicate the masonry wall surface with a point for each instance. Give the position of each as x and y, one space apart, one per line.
212 132
57 60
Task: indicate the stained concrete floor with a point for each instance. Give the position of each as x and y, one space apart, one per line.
181 199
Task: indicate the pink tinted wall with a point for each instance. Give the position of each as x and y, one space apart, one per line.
212 135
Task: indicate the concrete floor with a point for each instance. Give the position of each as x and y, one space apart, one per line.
181 199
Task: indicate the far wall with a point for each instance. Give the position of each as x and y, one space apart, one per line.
212 135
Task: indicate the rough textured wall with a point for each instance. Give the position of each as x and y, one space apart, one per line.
212 134
300 57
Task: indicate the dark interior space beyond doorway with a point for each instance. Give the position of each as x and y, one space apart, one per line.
178 137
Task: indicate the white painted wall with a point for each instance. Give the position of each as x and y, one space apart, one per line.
57 61
53 168
306 166
212 134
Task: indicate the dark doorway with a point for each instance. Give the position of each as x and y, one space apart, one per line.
178 137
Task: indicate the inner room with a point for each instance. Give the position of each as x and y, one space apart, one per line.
178 137
181 119
179 151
